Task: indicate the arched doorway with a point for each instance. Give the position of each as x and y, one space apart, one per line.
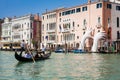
77 45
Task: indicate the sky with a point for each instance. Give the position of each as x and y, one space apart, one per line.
11 8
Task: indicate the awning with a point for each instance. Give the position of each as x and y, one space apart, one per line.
5 42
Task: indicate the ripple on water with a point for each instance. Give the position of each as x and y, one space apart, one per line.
62 67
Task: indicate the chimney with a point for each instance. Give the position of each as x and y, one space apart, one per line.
38 15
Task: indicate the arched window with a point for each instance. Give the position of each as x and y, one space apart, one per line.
99 20
73 24
84 22
117 21
61 37
108 20
118 34
16 26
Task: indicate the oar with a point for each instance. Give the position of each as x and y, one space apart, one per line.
31 54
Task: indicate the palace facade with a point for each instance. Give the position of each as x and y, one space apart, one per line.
16 29
66 26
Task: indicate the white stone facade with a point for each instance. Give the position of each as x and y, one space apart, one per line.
22 29
17 29
116 1
6 30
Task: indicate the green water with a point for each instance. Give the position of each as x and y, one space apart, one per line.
62 67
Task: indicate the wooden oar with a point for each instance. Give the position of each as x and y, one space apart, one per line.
31 54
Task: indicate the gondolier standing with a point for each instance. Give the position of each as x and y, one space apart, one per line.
22 46
43 49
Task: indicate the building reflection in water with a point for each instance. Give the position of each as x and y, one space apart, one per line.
29 69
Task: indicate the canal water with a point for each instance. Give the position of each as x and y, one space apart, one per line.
62 67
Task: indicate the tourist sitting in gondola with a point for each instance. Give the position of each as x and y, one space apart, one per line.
28 55
39 54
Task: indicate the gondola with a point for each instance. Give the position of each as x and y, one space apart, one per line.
23 59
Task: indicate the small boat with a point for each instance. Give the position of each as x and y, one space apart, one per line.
23 59
59 51
78 51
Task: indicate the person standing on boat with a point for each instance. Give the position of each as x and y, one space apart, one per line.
43 49
10 46
22 46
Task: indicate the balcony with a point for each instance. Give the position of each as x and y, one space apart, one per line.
51 41
50 31
5 39
66 30
84 28
5 35
98 26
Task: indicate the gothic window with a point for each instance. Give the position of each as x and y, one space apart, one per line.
99 20
118 35
99 5
84 22
117 21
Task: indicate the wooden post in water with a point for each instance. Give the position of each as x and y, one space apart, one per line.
65 45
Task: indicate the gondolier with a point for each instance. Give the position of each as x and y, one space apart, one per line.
43 49
22 46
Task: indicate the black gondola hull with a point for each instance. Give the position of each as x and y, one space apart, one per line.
23 59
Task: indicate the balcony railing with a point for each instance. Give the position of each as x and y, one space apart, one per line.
51 41
66 30
84 28
7 40
5 35
98 25
52 30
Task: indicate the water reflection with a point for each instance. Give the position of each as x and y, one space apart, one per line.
62 67
29 69
105 66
